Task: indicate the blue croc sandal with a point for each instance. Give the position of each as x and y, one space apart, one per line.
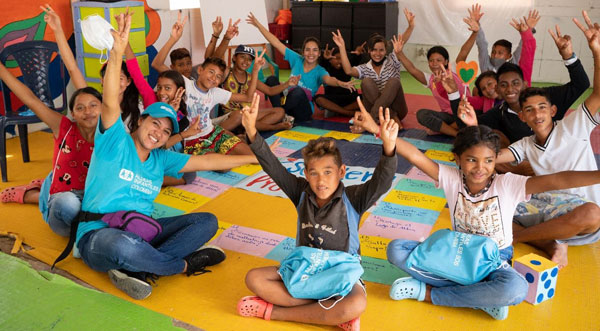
500 313
408 288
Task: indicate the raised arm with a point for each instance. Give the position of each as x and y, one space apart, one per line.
341 44
410 19
398 43
176 32
332 81
526 50
278 45
592 34
111 109
53 21
217 27
232 31
216 161
473 23
47 115
561 181
403 148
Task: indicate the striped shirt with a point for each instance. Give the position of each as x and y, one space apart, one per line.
390 69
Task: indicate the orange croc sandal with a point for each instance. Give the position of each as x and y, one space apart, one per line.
253 306
353 325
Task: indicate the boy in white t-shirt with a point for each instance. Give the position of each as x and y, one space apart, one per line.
553 220
202 96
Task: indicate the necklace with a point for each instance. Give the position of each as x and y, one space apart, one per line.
483 191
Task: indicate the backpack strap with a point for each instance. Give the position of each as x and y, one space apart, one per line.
83 216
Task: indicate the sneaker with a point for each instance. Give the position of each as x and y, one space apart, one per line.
289 119
135 284
205 256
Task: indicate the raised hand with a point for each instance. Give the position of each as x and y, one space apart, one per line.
176 101
293 80
232 29
193 129
519 24
51 18
398 43
466 113
249 115
363 120
177 29
592 32
532 19
360 49
217 26
388 131
327 53
472 23
275 145
338 40
252 20
447 80
121 37
475 12
410 17
563 42
259 61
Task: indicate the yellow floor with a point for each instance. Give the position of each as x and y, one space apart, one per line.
208 301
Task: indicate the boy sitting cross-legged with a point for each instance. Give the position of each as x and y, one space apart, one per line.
329 215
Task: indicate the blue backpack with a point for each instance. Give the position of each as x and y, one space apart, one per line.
457 256
312 273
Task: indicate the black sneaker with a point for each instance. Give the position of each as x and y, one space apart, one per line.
135 284
204 257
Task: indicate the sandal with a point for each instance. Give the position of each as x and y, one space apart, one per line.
14 194
253 306
36 183
408 288
353 325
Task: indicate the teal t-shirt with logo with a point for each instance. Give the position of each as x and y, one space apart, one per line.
118 180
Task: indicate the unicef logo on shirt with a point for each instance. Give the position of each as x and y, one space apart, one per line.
126 175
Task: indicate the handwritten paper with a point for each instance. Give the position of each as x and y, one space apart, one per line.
380 271
180 199
161 211
419 186
342 135
440 155
416 173
315 131
248 241
247 169
373 246
205 187
222 227
411 214
290 144
368 138
413 199
427 145
281 251
229 178
385 227
295 135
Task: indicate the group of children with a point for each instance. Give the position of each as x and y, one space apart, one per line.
110 157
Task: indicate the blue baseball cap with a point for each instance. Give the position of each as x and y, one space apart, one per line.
243 49
161 109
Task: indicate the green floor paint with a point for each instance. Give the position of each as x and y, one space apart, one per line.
32 300
412 86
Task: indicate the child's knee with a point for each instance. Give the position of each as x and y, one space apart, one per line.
352 308
254 279
398 251
512 289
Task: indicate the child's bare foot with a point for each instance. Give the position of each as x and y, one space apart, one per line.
283 125
558 254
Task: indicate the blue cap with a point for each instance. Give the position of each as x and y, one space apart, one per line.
243 49
161 109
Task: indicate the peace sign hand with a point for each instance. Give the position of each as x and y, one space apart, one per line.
563 43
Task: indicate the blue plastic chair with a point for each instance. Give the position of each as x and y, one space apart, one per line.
33 58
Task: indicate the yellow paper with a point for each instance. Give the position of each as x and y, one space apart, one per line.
222 227
248 169
342 135
413 199
440 155
295 135
180 199
374 246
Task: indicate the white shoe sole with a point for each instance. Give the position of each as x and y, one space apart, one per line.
134 287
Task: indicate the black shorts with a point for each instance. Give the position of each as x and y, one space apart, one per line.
341 100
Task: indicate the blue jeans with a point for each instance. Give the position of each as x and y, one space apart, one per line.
502 287
296 101
63 207
111 248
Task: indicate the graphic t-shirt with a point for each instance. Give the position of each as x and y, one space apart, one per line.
232 85
119 180
72 154
489 214
200 103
